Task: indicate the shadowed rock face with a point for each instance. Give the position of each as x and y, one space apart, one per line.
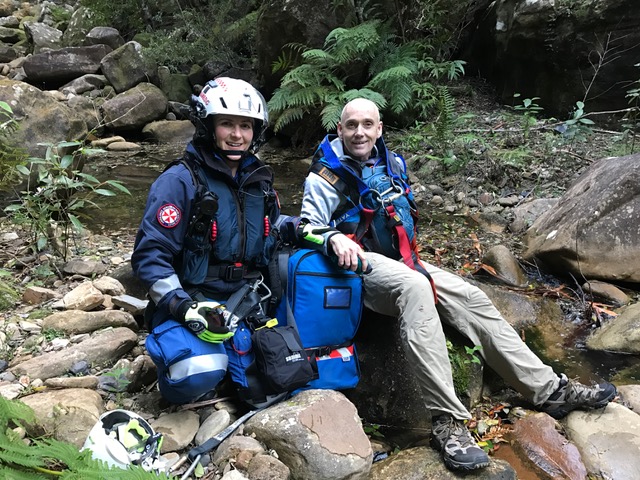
594 231
552 50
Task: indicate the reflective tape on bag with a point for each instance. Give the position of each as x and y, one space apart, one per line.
346 353
199 364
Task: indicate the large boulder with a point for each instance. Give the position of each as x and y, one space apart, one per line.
42 119
127 66
594 230
57 67
133 109
557 51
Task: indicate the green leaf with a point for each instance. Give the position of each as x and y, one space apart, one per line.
104 192
587 121
66 161
23 170
77 224
119 186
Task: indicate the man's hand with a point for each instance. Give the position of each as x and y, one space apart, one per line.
348 253
205 320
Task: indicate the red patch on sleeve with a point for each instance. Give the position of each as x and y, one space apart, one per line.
169 215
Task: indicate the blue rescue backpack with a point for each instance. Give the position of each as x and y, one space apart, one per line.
324 302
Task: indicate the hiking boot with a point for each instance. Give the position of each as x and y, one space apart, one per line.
572 395
459 449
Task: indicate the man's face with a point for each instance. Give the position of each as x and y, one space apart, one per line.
359 128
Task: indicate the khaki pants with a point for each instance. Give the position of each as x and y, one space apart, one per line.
395 290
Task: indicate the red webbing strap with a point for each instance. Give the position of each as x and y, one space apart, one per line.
422 269
403 240
366 217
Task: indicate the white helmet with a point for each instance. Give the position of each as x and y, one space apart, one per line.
122 438
232 96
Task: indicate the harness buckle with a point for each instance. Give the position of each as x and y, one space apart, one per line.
233 273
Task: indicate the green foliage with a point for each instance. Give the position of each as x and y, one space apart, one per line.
373 430
194 39
578 124
8 293
529 109
57 190
128 16
47 458
10 156
460 365
631 120
366 60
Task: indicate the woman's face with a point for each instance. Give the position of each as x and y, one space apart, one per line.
233 132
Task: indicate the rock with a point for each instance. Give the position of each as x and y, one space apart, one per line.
620 334
630 395
537 439
607 452
88 382
57 67
302 431
85 267
592 231
126 67
506 266
109 285
605 292
134 108
78 321
212 425
68 415
84 297
178 429
101 349
104 35
37 295
425 463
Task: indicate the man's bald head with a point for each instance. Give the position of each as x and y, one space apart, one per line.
360 104
359 128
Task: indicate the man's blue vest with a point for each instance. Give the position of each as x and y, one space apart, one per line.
375 203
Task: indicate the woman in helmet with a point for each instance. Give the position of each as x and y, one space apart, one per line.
209 229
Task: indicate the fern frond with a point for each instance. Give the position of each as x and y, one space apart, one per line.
288 116
11 474
353 44
367 93
16 412
318 57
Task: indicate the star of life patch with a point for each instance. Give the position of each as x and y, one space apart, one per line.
169 215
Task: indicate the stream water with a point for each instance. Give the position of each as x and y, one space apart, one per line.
560 346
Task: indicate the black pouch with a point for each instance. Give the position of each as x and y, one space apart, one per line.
281 359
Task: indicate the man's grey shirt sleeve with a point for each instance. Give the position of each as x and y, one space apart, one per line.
319 201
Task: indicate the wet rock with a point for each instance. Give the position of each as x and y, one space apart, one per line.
620 334
537 439
605 292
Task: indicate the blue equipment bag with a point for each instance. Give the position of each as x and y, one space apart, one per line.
324 302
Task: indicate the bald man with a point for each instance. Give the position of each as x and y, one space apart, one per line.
358 186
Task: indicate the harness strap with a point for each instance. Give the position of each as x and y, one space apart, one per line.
231 272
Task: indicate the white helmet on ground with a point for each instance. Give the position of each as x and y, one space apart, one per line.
231 96
122 438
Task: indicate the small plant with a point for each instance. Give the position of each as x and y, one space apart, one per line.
631 120
373 430
52 333
56 193
578 125
529 109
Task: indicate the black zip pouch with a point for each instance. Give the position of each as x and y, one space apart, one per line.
282 360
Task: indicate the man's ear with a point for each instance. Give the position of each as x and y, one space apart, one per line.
339 130
379 129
